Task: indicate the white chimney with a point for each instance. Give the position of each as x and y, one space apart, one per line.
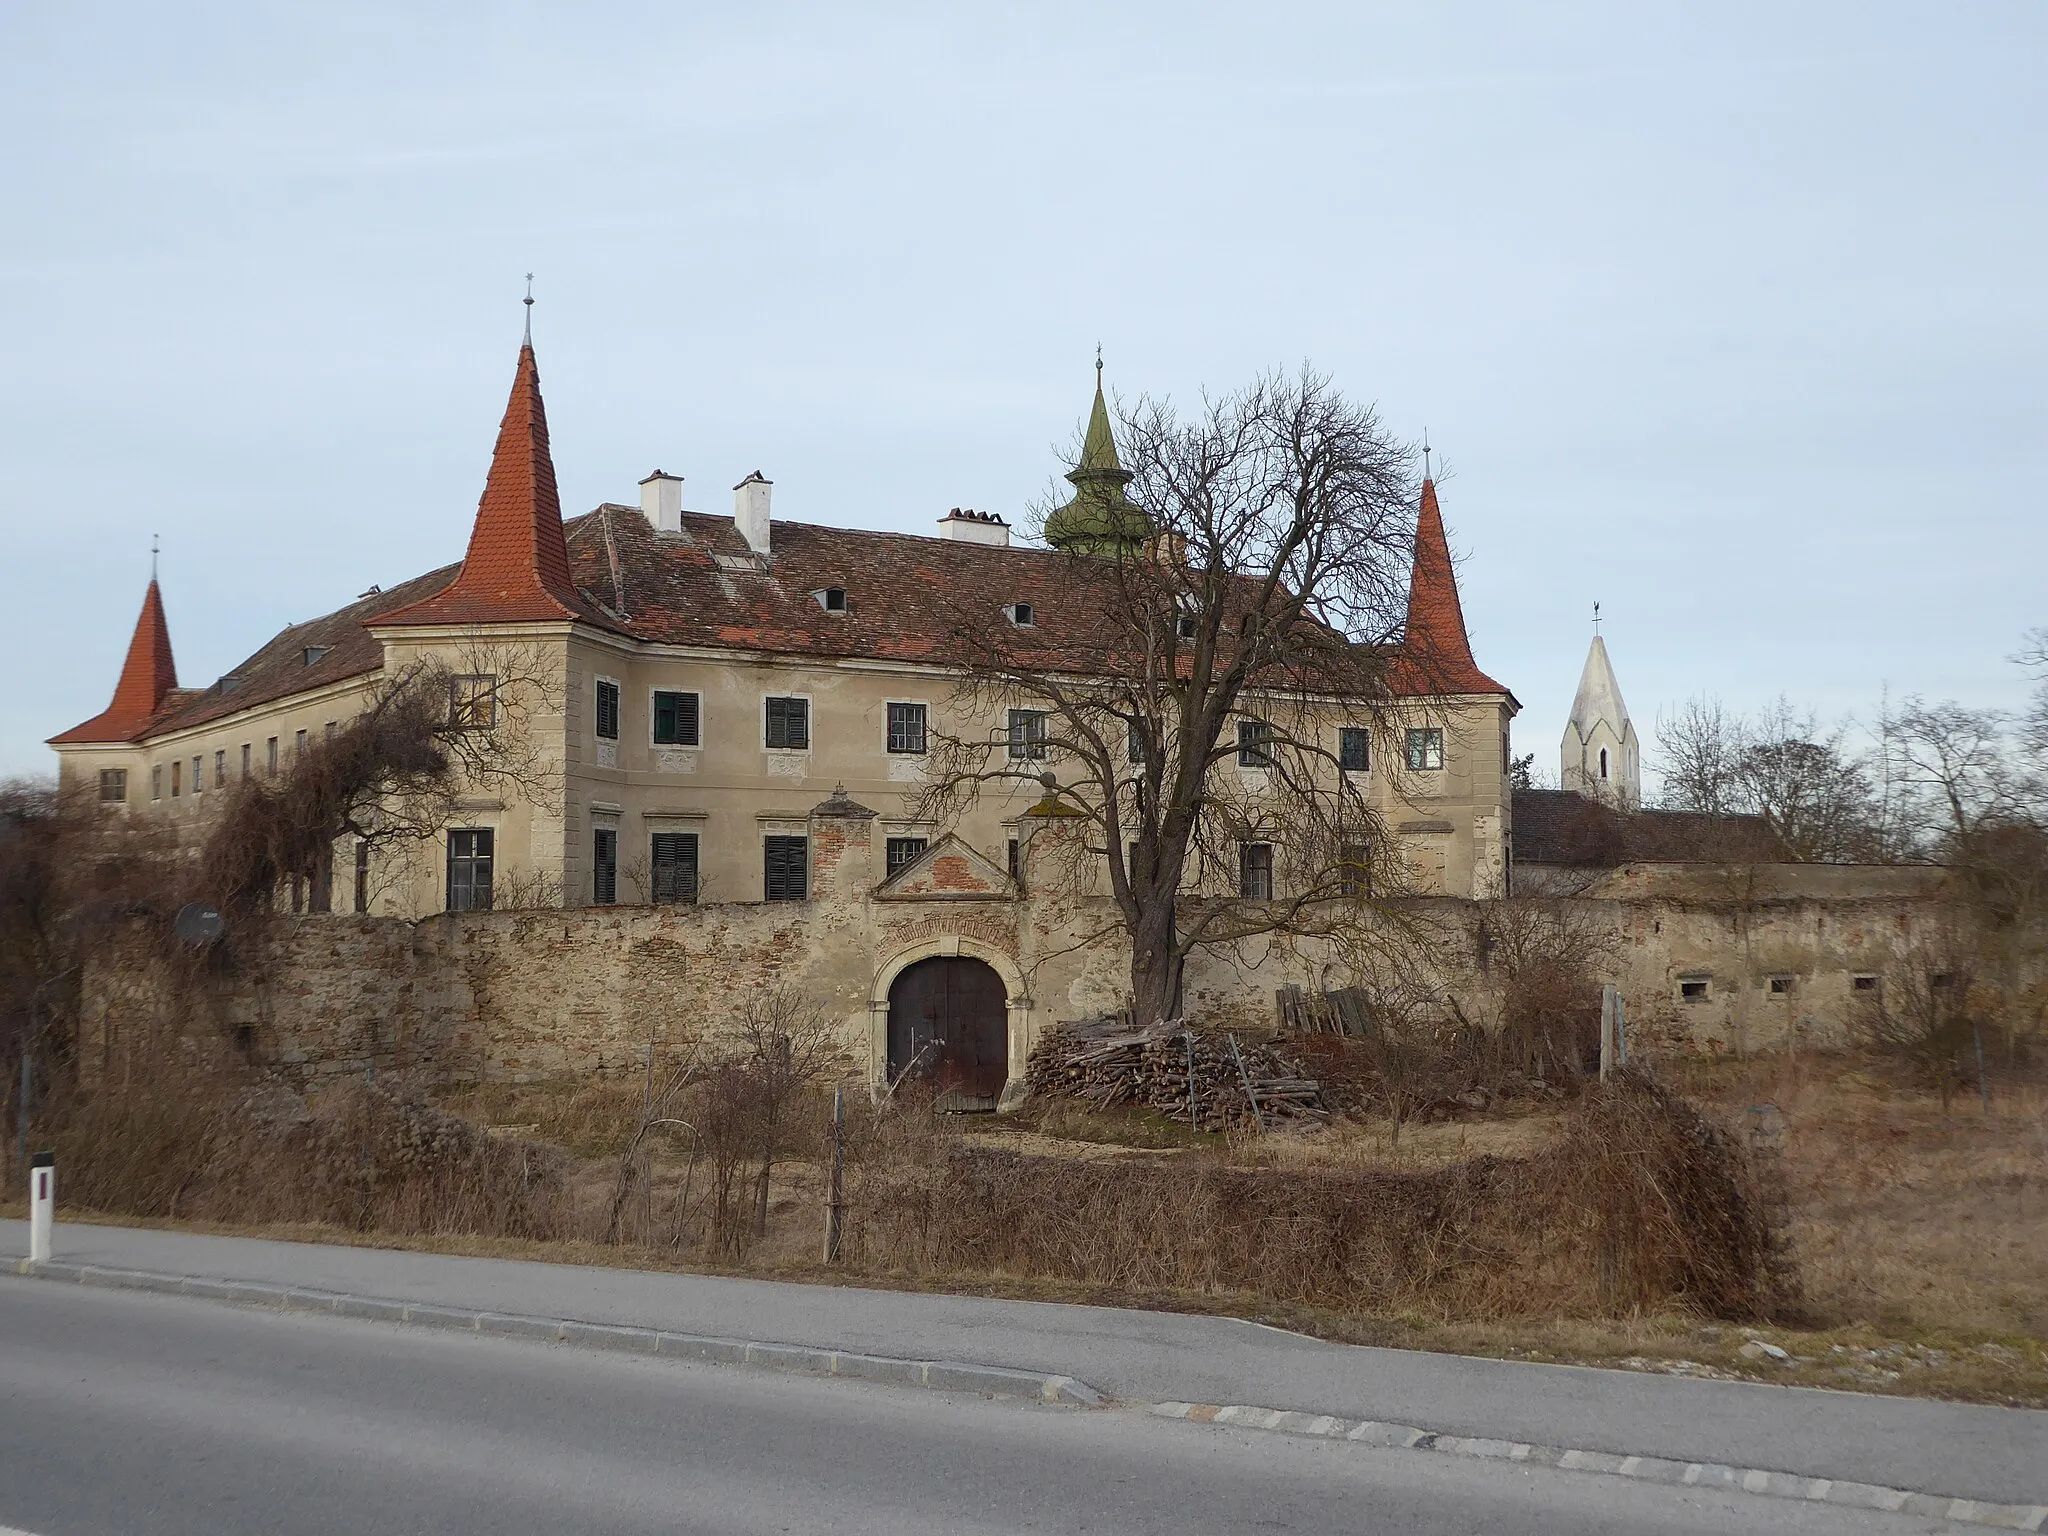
975 527
661 498
750 510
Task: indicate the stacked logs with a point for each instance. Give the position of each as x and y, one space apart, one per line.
1107 1062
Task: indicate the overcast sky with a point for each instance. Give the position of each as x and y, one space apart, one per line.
1729 317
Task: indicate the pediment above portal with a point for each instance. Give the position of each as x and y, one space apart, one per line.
949 870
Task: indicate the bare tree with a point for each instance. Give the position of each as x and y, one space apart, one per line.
1922 1014
1809 790
1697 748
1252 605
433 729
1966 763
746 1107
1782 767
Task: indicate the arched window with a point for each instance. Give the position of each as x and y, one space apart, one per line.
1603 762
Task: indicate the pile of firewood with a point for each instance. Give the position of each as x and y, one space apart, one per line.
1105 1062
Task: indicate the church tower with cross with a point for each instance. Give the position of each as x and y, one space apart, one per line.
1600 756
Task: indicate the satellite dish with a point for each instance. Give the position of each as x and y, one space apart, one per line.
197 924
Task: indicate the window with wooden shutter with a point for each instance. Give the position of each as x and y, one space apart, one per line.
787 868
607 710
677 719
1354 749
675 867
789 725
604 866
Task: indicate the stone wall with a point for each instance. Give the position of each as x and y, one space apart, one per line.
583 992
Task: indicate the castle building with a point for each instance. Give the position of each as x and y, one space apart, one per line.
1600 756
727 695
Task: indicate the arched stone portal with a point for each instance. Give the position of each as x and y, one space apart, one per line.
949 1025
1017 1004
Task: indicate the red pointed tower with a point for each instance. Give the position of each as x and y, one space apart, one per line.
147 676
517 568
1436 649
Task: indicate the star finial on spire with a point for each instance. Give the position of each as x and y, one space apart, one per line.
528 301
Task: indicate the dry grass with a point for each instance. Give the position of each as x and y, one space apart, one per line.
1921 1238
1907 1220
227 1145
593 1119
1641 1203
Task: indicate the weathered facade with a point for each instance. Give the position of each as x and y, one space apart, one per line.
725 724
728 721
1718 959
696 683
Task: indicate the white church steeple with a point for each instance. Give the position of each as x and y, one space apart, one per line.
1600 757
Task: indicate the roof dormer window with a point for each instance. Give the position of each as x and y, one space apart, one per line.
831 599
315 652
1021 615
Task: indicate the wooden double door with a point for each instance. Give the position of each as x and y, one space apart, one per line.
949 1025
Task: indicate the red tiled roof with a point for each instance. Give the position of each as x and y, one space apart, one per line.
517 568
340 643
147 676
1436 653
704 587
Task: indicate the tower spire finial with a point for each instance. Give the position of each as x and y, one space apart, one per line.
1098 365
528 301
1425 453
153 543
1596 618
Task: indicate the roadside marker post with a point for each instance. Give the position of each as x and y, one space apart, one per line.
42 1205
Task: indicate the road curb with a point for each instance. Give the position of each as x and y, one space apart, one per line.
938 1375
1649 1469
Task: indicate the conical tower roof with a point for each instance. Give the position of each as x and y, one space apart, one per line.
147 675
1599 695
1100 518
517 567
1435 646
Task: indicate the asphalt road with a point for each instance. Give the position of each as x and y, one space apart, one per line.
1961 1450
125 1414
